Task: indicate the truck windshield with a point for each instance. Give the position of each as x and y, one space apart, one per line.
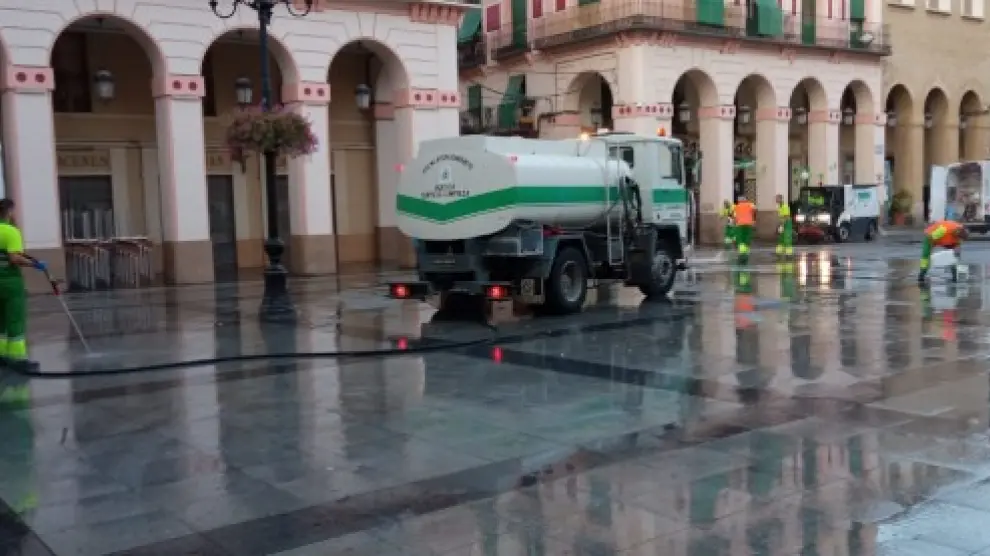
811 199
670 161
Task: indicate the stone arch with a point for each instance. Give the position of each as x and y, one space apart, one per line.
151 47
703 86
899 101
392 75
937 103
283 56
585 91
761 90
970 102
972 126
862 96
812 92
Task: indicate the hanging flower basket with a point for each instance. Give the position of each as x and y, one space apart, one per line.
282 131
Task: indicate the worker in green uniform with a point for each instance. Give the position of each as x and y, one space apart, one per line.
785 229
729 233
13 297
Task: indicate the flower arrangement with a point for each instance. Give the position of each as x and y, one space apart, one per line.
279 130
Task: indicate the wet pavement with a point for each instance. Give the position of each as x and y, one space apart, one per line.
825 407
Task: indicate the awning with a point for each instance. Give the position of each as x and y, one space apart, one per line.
509 106
470 26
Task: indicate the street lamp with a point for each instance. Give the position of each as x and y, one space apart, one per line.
963 121
801 115
929 120
684 112
745 114
275 302
362 95
104 85
891 118
244 91
848 116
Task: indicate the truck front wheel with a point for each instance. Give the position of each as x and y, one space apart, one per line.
567 285
662 273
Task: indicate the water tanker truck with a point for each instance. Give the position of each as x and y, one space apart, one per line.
539 221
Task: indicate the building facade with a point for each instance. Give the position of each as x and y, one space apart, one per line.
114 113
936 87
773 95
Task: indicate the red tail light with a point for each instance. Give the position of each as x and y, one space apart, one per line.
497 354
402 343
400 291
496 292
550 231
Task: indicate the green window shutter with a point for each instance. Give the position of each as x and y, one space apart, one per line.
808 32
770 19
508 109
474 97
857 10
470 26
586 2
520 22
711 12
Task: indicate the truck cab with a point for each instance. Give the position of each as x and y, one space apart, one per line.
838 212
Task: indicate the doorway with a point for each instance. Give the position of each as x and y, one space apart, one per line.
284 217
223 227
87 207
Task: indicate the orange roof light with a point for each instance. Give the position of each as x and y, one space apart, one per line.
661 132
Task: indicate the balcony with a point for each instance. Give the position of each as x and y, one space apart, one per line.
765 24
470 55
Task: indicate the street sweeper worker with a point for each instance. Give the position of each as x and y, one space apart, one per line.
729 232
785 229
946 234
13 297
745 217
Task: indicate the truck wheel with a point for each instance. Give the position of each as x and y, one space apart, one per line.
662 275
567 286
871 231
842 235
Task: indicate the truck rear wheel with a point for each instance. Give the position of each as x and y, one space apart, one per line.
662 274
567 285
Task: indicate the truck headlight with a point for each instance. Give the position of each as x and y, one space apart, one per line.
823 218
799 218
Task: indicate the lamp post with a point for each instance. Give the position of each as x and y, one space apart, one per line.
276 304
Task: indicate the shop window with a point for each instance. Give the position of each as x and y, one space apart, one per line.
73 78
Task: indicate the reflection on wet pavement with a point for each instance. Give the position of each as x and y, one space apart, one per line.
822 407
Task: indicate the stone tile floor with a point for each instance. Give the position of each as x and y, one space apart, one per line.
829 407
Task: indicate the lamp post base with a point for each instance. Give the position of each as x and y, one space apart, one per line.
276 303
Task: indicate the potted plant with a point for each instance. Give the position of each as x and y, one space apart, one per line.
901 206
279 130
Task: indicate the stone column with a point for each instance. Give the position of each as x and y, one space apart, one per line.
310 207
648 120
393 247
772 128
866 148
187 249
716 167
29 155
909 163
976 138
823 146
945 149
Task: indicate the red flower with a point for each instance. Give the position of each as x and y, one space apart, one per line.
280 130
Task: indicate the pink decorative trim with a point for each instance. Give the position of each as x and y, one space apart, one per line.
435 14
448 99
871 119
384 111
658 110
307 92
567 120
179 86
779 114
825 117
28 79
722 112
418 98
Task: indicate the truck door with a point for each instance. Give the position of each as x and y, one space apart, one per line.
938 181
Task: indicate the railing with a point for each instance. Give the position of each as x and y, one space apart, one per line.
701 18
471 55
96 259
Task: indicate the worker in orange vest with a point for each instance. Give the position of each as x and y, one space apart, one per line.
745 215
946 234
